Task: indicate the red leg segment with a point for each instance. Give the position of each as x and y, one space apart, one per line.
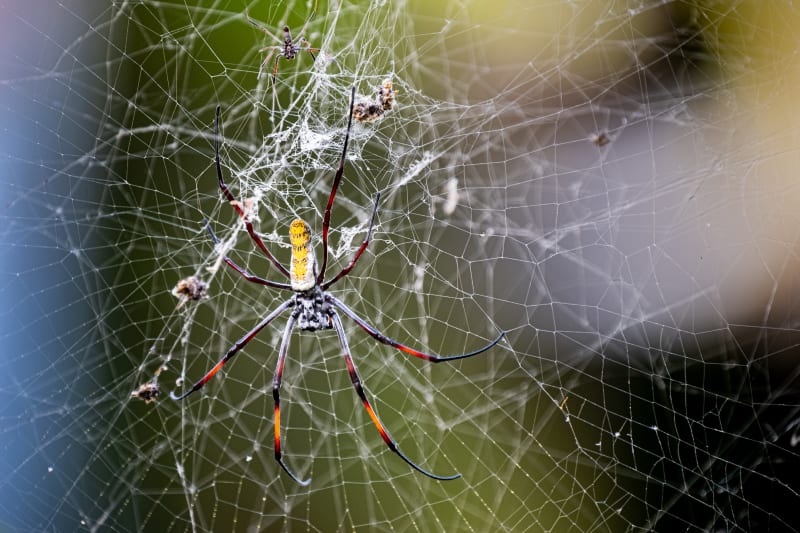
266 61
241 343
351 369
380 337
360 250
248 276
236 204
276 395
326 219
275 69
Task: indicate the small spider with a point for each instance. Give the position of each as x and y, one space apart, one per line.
366 111
290 47
312 306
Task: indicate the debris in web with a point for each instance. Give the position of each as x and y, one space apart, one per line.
190 289
366 110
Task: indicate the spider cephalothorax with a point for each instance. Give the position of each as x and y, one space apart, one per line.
313 308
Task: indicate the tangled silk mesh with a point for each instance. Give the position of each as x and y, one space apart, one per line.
612 183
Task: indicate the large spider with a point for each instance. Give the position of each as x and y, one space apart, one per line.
290 47
313 307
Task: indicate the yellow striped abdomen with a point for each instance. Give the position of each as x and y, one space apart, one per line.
303 269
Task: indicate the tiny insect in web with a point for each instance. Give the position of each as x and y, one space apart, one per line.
290 47
600 139
312 306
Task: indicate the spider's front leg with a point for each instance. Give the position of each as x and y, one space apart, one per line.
245 274
346 270
236 205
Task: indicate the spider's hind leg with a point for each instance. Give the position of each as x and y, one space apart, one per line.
276 395
390 442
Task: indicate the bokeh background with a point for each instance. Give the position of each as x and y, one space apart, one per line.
612 183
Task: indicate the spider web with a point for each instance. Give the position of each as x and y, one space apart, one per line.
611 183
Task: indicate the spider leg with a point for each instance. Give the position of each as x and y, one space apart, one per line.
311 16
360 250
326 219
276 394
248 276
266 61
241 343
260 26
380 337
305 45
224 188
275 69
313 51
351 369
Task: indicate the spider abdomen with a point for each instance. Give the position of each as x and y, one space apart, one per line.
303 268
313 311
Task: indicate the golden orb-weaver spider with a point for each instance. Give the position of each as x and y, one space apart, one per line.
313 308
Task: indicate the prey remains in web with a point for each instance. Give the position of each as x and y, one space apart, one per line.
311 306
370 110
